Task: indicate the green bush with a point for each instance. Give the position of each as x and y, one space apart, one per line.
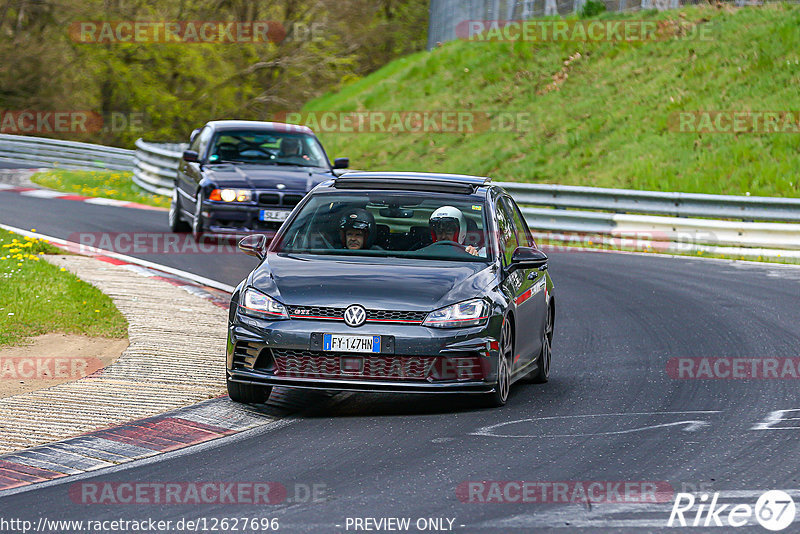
592 8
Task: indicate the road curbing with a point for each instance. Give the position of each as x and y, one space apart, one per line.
134 440
175 359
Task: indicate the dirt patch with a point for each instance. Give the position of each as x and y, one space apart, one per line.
53 359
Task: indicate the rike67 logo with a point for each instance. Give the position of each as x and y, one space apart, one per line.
774 510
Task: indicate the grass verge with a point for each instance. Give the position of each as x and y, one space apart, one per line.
107 184
599 113
37 297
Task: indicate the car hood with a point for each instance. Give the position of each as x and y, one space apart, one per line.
387 284
265 176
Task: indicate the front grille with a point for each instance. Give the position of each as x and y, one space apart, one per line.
314 364
279 199
316 312
337 314
400 316
292 200
269 199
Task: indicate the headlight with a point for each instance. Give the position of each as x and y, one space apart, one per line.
468 313
231 195
257 304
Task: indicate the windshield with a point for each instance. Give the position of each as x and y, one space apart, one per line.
267 147
384 224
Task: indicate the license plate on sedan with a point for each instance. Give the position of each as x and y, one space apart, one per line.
349 343
273 215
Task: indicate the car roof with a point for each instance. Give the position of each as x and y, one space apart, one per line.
258 125
412 181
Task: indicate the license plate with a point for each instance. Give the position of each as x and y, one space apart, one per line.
348 343
273 215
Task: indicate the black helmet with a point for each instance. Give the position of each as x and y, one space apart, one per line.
358 219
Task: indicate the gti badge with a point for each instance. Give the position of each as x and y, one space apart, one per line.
355 315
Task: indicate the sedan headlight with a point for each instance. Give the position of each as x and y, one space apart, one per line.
231 195
468 313
257 304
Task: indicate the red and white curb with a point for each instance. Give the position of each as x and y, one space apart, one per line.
48 193
189 281
215 296
152 436
174 430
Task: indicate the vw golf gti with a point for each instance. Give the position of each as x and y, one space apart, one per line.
394 282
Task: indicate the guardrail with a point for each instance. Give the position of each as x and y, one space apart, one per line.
680 222
156 166
46 152
716 224
656 202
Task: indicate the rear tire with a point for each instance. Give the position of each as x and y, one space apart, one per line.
176 223
499 396
248 393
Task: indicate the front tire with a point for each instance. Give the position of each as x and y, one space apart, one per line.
248 393
499 396
197 223
176 223
542 373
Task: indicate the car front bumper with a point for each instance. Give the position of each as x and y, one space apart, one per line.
232 219
415 359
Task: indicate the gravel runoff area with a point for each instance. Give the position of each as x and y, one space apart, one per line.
174 359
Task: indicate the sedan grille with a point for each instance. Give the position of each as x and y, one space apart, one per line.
287 200
374 316
313 364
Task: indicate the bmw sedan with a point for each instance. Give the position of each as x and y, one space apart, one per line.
394 282
239 177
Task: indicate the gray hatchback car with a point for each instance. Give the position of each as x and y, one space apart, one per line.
394 282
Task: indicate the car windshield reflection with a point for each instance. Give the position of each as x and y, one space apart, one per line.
387 224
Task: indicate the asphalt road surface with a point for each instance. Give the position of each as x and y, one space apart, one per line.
611 412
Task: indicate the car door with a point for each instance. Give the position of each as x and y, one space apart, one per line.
515 285
534 303
190 172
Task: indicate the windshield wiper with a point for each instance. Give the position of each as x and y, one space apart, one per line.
286 164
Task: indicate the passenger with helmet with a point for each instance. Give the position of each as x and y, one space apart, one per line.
448 225
357 230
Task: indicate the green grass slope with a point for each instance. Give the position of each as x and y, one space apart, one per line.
607 123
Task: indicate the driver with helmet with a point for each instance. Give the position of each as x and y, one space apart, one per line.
448 224
357 230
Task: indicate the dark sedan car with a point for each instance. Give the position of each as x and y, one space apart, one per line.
396 282
239 177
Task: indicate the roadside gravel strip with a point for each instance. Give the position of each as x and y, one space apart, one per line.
177 346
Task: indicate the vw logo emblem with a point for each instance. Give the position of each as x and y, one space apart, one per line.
355 315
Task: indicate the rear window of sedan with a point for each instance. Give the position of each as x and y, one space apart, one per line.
397 225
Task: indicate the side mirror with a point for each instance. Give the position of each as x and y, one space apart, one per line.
341 163
190 155
194 134
254 245
528 258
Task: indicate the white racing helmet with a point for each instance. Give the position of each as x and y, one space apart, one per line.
448 219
